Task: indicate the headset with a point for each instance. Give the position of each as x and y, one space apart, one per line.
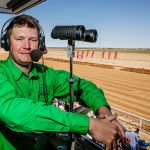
5 40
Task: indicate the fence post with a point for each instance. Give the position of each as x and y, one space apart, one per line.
109 54
92 54
87 53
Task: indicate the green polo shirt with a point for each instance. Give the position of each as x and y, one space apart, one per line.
25 108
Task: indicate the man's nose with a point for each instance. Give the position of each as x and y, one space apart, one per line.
27 44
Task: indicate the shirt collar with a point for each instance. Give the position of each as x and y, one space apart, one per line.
17 73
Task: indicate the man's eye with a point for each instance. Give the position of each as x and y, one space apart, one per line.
34 40
18 39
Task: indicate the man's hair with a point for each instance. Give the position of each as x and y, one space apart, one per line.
21 21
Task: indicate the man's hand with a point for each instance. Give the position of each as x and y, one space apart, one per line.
104 113
104 131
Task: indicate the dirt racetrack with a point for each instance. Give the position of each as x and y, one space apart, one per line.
128 91
127 88
124 90
125 81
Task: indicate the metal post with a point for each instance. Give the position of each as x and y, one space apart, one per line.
71 80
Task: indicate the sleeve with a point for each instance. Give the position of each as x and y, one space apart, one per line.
22 115
84 91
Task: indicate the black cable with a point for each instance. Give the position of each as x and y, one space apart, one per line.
44 82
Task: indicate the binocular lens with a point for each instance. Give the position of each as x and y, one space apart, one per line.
68 32
90 35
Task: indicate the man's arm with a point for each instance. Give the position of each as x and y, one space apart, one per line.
84 91
23 115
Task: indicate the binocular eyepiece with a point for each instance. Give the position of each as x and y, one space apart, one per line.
74 33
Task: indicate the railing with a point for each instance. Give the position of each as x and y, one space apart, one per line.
133 120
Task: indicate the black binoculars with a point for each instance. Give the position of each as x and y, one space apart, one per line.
74 33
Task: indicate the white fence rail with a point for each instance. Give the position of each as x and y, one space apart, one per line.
131 119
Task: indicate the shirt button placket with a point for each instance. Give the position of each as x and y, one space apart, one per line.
29 89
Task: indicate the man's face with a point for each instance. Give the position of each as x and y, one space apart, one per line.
22 41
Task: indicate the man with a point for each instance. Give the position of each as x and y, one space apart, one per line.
27 91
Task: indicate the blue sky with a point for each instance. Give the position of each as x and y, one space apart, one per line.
119 23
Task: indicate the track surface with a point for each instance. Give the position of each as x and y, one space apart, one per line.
128 91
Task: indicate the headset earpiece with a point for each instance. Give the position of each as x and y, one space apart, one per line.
42 46
5 42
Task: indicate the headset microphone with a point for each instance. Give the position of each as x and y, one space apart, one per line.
36 55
